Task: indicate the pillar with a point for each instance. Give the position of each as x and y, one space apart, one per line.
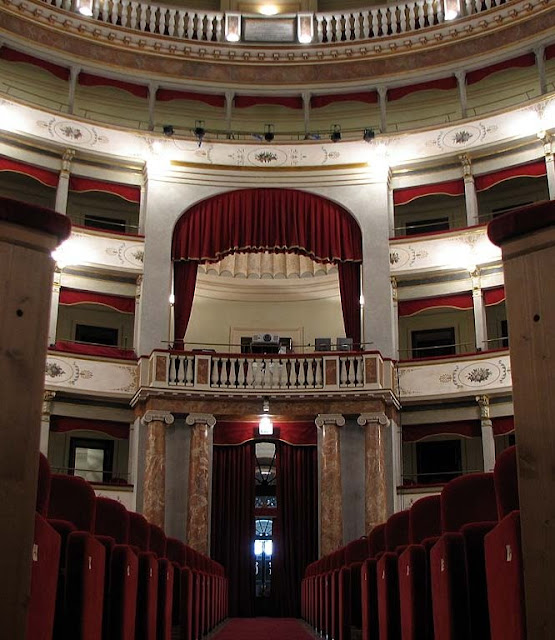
375 467
461 84
73 76
48 396
470 197
395 317
200 481
488 442
480 323
229 98
331 499
28 235
549 164
62 190
154 481
152 89
382 99
143 202
54 306
306 110
539 52
137 320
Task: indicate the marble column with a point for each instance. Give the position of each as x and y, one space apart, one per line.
54 306
480 323
488 441
461 84
331 499
200 482
63 183
375 467
470 197
47 398
154 481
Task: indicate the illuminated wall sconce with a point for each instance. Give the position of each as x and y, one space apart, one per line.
233 27
85 7
305 28
265 426
452 9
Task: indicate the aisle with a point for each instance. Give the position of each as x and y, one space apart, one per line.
263 629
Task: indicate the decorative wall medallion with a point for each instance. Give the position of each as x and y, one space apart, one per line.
139 255
267 157
76 133
133 255
60 372
330 155
53 369
479 375
463 137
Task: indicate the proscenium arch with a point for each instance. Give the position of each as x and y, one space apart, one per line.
267 219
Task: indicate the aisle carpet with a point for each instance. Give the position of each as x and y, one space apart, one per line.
263 629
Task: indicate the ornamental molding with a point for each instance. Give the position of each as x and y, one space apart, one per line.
483 403
200 418
378 419
157 416
330 418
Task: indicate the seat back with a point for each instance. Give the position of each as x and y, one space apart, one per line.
72 499
505 477
425 519
468 499
157 541
139 531
43 486
356 551
176 551
376 540
112 519
397 530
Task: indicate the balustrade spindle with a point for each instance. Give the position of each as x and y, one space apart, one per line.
250 373
285 364
337 30
67 5
360 371
438 12
152 22
375 23
320 28
124 16
310 373
215 373
402 18
351 371
180 23
104 11
357 25
181 367
190 375
318 373
96 9
208 26
302 373
232 378
430 12
412 17
173 364
58 4
133 15
219 21
258 366
115 12
343 380
142 16
421 13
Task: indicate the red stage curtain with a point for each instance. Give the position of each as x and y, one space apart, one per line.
527 60
128 192
45 176
349 288
456 301
166 95
184 281
295 433
535 169
465 428
370 97
296 542
78 296
494 296
233 523
442 84
448 188
91 80
17 56
63 424
97 350
503 425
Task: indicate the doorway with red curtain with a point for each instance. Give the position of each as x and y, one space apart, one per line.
264 514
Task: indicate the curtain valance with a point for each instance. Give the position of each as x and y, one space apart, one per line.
535 169
448 188
452 301
45 176
129 192
123 304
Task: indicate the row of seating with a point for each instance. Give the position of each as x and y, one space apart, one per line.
101 572
450 568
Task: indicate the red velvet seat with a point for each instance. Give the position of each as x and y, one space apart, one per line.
503 549
122 570
46 561
457 563
165 583
349 587
396 540
368 583
79 605
332 600
414 570
183 604
147 593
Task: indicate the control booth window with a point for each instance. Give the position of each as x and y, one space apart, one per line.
427 343
96 335
91 459
438 461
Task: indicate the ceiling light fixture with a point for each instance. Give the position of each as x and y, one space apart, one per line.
368 134
199 131
168 130
268 132
268 10
335 135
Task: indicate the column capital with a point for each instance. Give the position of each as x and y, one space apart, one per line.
330 418
539 51
306 95
394 291
460 76
200 418
483 403
229 95
382 92
67 157
466 165
159 416
378 418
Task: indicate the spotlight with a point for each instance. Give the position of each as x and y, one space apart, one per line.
312 136
268 132
199 131
335 135
368 135
168 130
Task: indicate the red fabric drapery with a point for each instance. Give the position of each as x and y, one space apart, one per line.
527 60
46 177
296 537
465 428
369 97
63 424
550 52
91 80
79 296
454 301
494 296
279 220
128 192
294 433
98 350
535 169
448 188
291 102
166 95
233 522
443 84
503 425
17 56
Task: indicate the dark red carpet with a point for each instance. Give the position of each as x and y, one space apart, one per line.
263 629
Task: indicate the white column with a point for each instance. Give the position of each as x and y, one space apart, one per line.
461 83
62 190
540 64
143 202
152 89
73 75
470 198
133 459
137 320
488 442
48 396
54 306
395 317
396 444
390 207
229 98
549 165
480 324
306 110
382 99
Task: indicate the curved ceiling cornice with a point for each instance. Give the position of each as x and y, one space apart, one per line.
65 37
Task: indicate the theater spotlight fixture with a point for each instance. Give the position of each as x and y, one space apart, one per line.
85 7
168 130
335 135
199 131
268 132
368 135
